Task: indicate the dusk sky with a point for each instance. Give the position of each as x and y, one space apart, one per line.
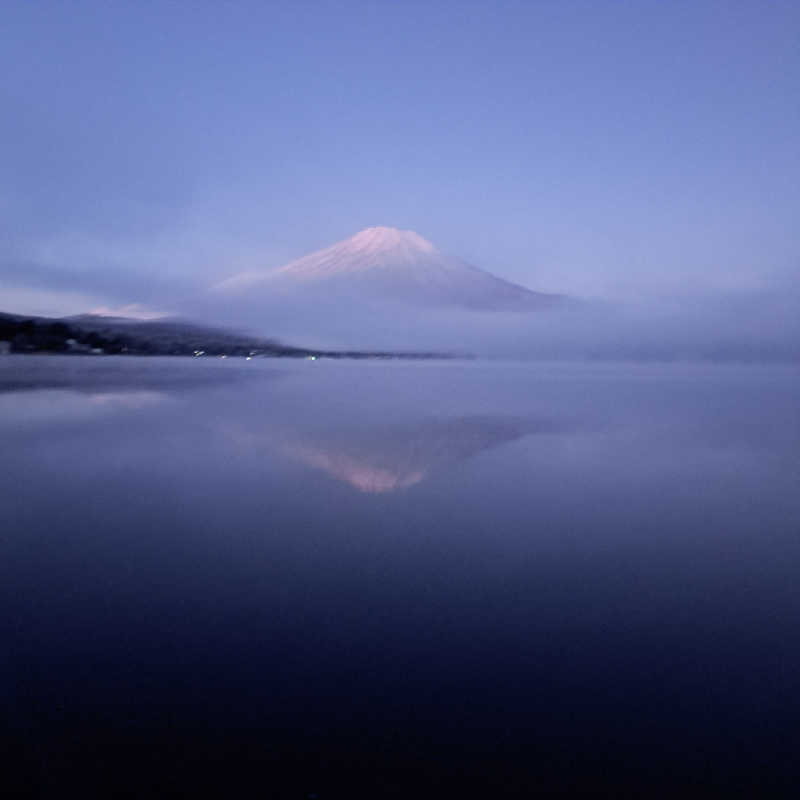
603 149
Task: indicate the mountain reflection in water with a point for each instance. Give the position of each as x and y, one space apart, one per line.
300 579
378 459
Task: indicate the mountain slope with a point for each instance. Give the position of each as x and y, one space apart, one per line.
389 264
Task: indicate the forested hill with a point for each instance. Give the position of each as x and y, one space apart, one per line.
121 335
93 334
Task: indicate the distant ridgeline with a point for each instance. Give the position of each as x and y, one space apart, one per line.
97 335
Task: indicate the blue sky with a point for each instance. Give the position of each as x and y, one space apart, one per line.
607 149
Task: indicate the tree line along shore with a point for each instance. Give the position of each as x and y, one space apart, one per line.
96 335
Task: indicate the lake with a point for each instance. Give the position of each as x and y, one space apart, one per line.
399 579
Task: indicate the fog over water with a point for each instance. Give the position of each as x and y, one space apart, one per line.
744 324
343 579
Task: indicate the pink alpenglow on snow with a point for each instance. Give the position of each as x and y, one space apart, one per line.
391 264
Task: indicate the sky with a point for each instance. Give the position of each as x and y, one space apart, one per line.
605 149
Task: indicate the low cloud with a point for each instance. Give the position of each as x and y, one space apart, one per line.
743 325
46 303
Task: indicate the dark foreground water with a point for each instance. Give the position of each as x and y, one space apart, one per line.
283 579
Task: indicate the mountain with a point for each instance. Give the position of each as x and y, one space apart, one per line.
388 264
117 335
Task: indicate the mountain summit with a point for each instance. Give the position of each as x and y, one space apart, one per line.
390 264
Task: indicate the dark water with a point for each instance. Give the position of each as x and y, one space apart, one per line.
278 579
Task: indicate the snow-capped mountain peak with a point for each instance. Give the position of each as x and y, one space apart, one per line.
380 239
390 264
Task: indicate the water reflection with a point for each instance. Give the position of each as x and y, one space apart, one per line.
20 410
284 569
120 373
384 458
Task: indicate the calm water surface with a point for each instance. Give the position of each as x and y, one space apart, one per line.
399 579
